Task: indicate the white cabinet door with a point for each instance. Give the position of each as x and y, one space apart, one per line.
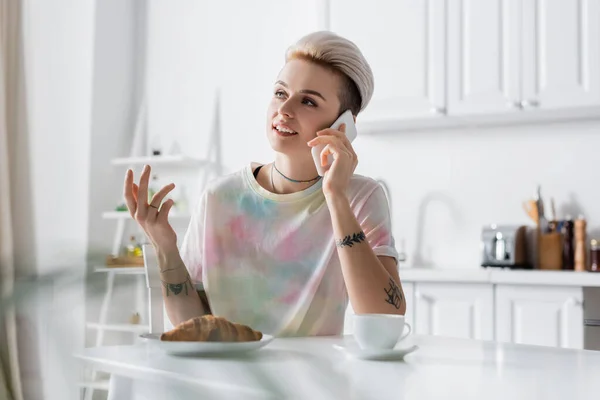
483 57
561 53
454 309
547 316
403 41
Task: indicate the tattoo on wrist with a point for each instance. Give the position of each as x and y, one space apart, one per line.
350 240
394 295
177 288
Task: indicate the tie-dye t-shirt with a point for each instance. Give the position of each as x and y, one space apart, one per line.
270 261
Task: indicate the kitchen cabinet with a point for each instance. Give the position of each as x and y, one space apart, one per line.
548 316
545 308
560 54
454 309
403 40
483 57
490 60
511 56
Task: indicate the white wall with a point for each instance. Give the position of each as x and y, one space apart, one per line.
54 157
196 49
116 87
445 185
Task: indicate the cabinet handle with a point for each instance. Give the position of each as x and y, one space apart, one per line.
530 103
574 301
439 110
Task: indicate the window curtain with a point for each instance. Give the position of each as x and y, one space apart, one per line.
11 107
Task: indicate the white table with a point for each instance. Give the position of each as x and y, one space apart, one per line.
310 368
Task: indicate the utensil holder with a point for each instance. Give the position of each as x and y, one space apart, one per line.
550 246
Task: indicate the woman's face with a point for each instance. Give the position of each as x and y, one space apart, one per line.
305 100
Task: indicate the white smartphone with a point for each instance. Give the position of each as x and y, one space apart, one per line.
345 118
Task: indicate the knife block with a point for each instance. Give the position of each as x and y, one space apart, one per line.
549 252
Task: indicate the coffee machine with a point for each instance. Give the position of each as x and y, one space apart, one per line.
504 246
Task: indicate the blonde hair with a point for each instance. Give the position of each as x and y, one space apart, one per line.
343 56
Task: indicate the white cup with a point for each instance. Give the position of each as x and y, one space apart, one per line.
379 331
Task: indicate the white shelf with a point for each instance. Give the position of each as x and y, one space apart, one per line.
135 328
141 328
126 215
101 384
175 160
136 270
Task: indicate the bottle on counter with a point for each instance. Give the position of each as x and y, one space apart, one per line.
135 318
568 261
133 248
580 239
594 255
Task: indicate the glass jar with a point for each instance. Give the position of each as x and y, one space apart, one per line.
595 255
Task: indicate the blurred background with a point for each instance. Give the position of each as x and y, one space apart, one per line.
476 104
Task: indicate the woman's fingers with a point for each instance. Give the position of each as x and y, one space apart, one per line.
129 194
334 149
157 199
163 215
324 155
335 141
341 134
135 192
142 198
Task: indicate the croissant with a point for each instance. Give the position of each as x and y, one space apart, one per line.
209 328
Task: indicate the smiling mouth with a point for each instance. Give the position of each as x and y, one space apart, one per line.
284 131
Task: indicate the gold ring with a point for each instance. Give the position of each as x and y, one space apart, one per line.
153 206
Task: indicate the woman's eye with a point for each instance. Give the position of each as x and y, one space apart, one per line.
309 102
279 93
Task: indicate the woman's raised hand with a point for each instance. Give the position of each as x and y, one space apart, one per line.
152 216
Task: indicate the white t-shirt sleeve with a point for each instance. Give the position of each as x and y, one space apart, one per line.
374 218
192 246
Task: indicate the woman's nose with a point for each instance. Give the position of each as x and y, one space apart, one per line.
286 109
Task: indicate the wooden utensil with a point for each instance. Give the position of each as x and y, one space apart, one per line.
531 209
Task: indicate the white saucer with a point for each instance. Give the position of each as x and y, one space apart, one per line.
205 348
375 354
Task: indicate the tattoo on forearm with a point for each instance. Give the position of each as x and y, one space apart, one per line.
177 288
350 240
394 294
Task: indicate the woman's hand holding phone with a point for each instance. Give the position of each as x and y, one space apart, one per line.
335 142
151 216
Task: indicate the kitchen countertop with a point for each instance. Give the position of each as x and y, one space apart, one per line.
313 368
500 276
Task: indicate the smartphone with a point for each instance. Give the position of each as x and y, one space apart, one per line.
345 118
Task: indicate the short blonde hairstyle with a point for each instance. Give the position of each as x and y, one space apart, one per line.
342 56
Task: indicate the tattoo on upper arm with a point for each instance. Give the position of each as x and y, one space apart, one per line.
351 239
394 295
177 288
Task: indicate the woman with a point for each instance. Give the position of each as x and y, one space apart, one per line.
276 246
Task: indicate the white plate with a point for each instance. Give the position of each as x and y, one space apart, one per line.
383 355
205 348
